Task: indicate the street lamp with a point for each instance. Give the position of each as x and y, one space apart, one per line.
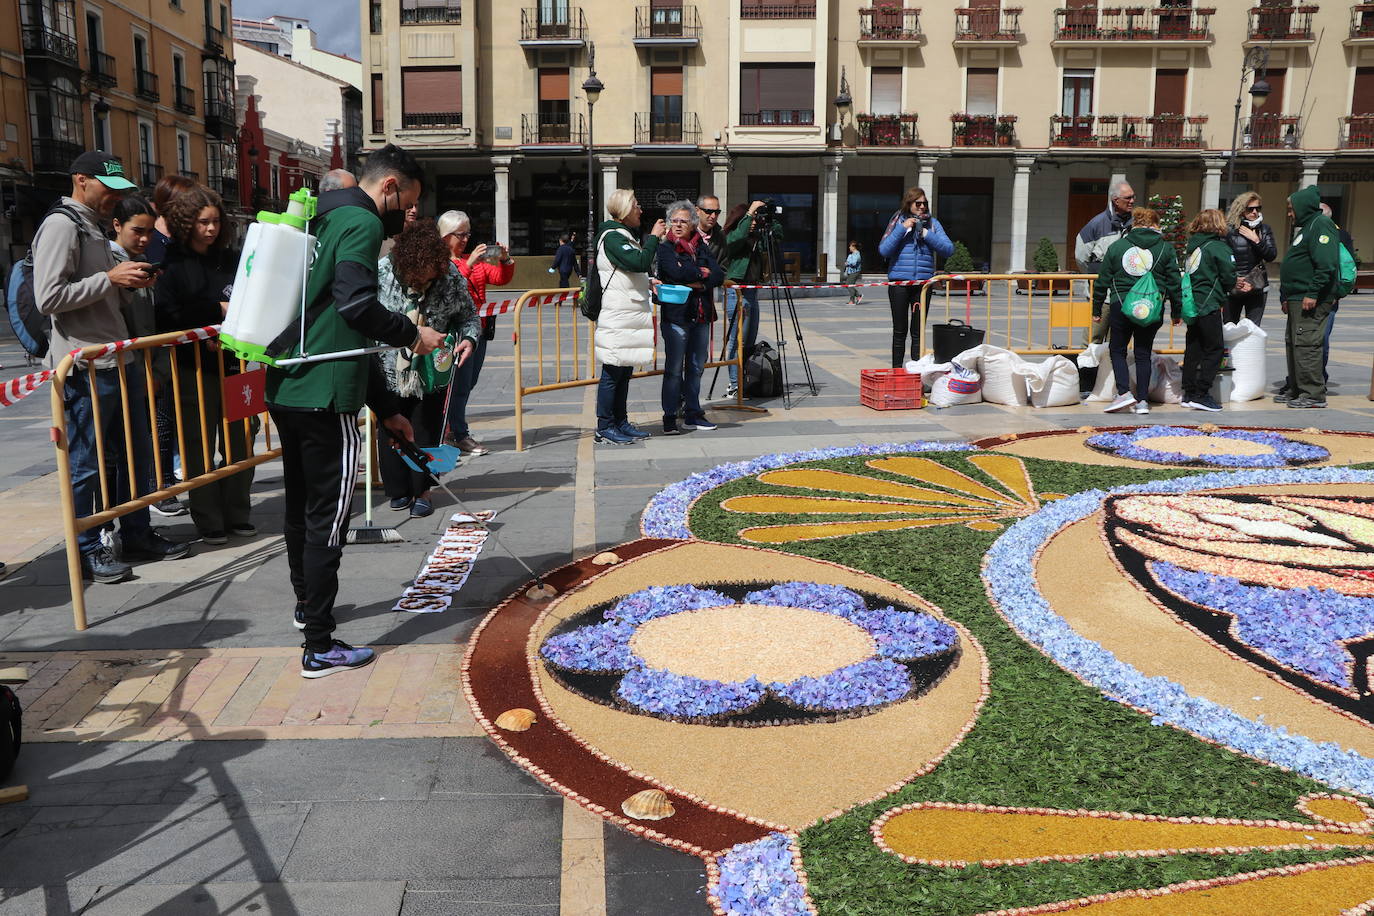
843 103
1256 63
591 87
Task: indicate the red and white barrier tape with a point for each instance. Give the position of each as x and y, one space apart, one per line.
831 285
16 389
505 305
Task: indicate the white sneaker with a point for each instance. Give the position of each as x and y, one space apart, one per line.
1141 407
1122 402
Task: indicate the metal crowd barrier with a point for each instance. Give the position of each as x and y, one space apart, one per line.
1057 322
146 348
557 350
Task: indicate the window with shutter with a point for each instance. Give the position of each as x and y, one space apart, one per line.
665 104
1362 100
777 93
1273 104
1171 91
886 95
555 111
432 96
981 90
378 118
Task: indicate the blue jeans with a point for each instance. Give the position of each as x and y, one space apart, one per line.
1326 341
751 326
684 358
84 459
464 380
611 396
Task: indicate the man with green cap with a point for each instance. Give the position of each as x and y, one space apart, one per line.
78 282
1307 292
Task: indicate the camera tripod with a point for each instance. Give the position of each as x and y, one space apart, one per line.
767 243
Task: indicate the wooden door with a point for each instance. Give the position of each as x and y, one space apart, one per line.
1087 198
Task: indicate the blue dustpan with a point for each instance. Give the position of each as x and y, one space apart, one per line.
439 459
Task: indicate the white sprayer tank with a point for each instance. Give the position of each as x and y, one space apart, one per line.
270 281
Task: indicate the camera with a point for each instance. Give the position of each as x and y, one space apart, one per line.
771 211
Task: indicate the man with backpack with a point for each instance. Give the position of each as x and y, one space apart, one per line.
80 285
1309 286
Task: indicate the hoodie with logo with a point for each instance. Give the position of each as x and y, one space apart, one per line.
1211 267
1115 282
1311 268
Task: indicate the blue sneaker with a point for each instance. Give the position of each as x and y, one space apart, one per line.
340 657
634 432
421 508
612 435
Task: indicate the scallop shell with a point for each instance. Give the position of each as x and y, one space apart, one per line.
541 592
1087 429
649 805
606 559
1209 428
516 720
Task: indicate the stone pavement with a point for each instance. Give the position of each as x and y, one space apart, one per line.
178 764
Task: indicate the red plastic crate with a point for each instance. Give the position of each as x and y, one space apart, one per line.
890 389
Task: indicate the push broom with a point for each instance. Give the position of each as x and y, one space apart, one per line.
370 533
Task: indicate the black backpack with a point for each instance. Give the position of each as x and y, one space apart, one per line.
589 301
31 326
763 372
11 719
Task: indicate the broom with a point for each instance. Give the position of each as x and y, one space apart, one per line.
370 533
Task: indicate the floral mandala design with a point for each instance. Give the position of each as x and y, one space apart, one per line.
1220 448
905 652
936 495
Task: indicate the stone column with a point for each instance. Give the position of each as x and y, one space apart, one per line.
1211 183
830 215
500 167
610 180
925 174
1311 168
1020 210
720 179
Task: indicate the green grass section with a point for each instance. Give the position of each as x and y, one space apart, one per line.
1044 739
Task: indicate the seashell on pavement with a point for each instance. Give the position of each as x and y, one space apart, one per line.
516 720
541 592
649 805
606 559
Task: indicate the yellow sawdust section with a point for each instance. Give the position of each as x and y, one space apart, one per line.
966 837
1082 583
819 505
1275 575
1344 449
1341 810
1198 446
938 474
784 534
1007 471
786 775
840 482
1322 892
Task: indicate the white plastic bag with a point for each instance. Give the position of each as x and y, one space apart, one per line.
1166 380
930 371
1095 356
1003 381
1052 383
1246 341
956 387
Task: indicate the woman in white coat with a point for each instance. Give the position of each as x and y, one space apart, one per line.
625 327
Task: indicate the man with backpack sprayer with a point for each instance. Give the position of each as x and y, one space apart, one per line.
1309 286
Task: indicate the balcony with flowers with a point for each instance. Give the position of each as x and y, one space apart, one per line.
1279 23
878 130
1107 131
1357 131
1149 25
986 26
1272 131
887 23
983 129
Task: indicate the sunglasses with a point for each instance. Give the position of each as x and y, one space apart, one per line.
1253 209
709 212
923 204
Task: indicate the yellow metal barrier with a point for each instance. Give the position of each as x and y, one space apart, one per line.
145 349
565 312
1054 323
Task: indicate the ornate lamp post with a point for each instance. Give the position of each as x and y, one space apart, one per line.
1256 63
591 87
843 103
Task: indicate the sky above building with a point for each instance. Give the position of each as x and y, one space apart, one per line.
338 31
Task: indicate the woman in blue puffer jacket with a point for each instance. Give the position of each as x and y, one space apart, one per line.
910 244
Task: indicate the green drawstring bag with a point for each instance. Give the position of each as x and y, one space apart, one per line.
435 368
1144 304
1189 306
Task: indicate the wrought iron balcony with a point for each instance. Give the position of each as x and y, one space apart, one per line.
219 119
50 155
214 40
1133 23
149 174
887 23
1362 22
101 68
227 187
983 130
988 24
431 119
40 41
552 27
557 129
1357 131
1281 23
1128 131
145 85
450 12
887 129
667 26
752 9
778 117
185 100
651 130
1272 131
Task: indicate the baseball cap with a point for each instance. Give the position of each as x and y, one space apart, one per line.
103 166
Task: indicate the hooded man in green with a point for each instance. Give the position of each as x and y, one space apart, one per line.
1307 291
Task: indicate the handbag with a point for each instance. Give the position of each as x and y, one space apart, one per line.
954 338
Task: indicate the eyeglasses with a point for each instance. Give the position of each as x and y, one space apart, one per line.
1253 209
922 204
680 222
460 235
709 212
1126 197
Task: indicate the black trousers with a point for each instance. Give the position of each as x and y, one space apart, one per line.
1246 305
1202 355
902 300
426 416
320 452
1124 332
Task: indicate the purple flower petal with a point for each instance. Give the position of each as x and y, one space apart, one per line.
682 696
874 682
598 648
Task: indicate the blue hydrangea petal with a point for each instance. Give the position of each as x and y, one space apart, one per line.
662 600
682 696
813 596
599 647
760 879
904 635
873 682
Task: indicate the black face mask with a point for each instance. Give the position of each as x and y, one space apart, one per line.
393 221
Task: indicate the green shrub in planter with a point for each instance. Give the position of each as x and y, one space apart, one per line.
1046 259
960 262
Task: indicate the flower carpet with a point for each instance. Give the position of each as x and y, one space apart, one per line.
1111 670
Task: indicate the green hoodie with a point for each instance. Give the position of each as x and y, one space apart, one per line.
1113 276
1212 268
1311 268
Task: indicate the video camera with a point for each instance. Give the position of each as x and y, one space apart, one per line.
770 212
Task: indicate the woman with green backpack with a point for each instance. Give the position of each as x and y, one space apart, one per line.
1138 271
417 279
1211 277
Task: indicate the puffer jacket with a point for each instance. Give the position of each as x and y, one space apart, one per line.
678 267
1248 254
910 258
625 327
